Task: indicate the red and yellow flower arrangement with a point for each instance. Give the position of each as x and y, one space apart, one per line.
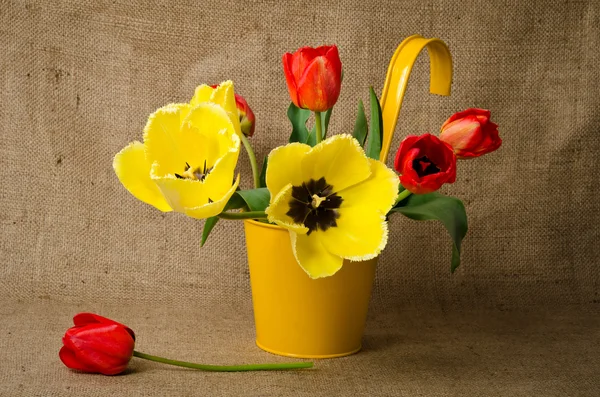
331 192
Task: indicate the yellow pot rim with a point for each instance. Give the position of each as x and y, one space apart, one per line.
265 225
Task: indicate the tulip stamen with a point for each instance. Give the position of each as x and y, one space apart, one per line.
198 174
424 166
315 205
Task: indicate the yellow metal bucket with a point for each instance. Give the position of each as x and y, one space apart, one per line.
296 316
299 317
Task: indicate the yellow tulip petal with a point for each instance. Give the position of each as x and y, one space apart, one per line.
180 193
215 207
202 94
224 96
162 137
219 180
339 159
133 171
360 234
284 166
208 135
276 211
313 257
379 191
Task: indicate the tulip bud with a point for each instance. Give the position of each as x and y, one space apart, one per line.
97 345
247 120
425 163
313 77
471 133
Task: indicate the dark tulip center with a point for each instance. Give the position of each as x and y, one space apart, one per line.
315 205
198 174
423 166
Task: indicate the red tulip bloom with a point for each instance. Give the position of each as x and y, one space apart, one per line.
246 115
313 77
425 163
98 345
471 133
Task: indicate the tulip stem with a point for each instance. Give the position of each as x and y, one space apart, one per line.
319 127
243 215
403 194
224 368
252 157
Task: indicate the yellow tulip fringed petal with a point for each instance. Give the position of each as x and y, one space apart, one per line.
379 191
279 206
187 162
133 171
215 207
291 155
313 257
333 200
162 137
361 231
201 94
339 159
222 95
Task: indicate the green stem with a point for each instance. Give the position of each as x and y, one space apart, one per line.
252 156
319 127
224 368
243 215
404 194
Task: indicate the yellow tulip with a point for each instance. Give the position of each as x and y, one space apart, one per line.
332 199
187 161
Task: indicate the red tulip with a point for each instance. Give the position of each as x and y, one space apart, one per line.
98 345
313 77
425 163
471 133
246 115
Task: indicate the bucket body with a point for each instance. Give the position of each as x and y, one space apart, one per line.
297 316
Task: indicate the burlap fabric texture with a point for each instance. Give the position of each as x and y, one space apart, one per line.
519 317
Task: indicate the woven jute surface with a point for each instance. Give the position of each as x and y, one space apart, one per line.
79 80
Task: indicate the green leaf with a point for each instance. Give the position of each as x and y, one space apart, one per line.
376 127
298 117
263 173
434 206
234 202
256 199
360 126
208 227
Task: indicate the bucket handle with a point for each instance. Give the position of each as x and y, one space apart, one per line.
398 73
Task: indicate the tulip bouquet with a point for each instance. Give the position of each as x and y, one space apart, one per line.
332 193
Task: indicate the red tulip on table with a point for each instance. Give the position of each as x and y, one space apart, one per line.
471 133
425 163
96 344
313 77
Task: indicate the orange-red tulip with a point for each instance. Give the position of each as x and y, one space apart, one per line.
471 133
313 77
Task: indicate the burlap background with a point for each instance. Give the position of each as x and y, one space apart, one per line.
78 82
